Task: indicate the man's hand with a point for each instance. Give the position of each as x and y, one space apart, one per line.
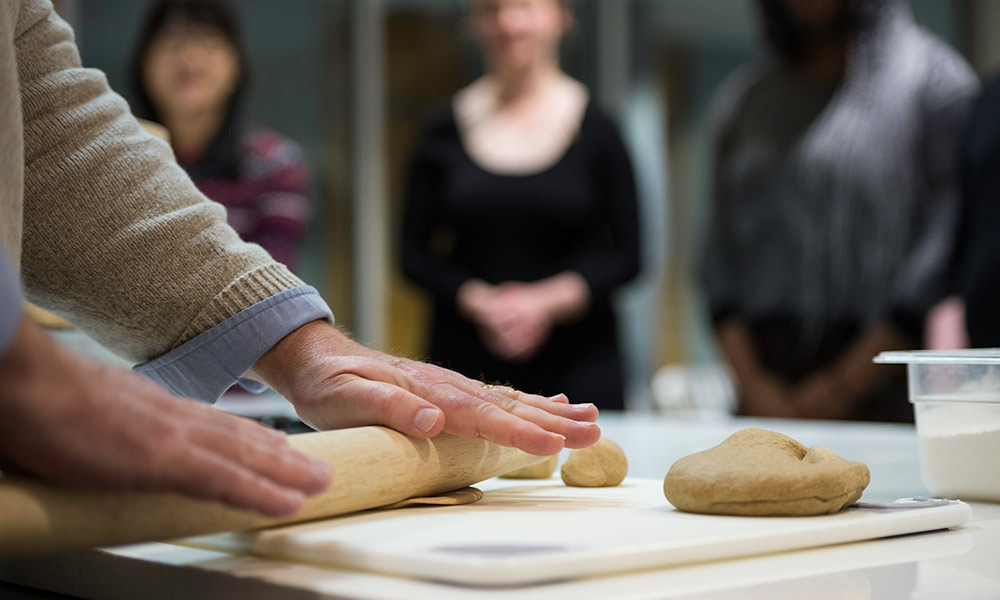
72 421
334 382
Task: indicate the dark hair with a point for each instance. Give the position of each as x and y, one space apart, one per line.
222 155
790 41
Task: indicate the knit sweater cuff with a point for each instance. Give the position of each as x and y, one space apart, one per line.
206 366
247 290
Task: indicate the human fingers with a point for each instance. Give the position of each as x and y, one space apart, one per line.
574 424
470 417
367 398
224 423
497 317
578 434
199 472
478 412
263 450
272 457
528 341
507 345
524 335
560 405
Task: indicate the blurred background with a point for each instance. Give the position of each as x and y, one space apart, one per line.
352 81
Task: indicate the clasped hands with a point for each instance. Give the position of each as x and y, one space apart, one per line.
514 319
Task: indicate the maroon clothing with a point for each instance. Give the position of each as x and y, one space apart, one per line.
266 201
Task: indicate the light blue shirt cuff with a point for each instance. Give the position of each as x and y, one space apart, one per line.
209 364
11 302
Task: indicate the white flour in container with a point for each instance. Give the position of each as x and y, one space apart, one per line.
960 460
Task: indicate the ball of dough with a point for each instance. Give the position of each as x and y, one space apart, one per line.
542 470
601 465
761 472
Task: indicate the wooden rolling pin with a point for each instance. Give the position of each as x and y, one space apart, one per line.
373 467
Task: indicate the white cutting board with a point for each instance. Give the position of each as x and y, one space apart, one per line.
531 531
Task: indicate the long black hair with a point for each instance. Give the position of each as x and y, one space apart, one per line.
221 158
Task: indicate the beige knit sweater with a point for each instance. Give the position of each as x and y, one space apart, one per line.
108 231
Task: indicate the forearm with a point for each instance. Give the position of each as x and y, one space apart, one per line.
566 296
761 393
854 369
834 392
736 344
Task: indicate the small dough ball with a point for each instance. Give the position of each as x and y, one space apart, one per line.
601 465
542 470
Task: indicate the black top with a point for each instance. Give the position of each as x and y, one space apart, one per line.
462 221
979 260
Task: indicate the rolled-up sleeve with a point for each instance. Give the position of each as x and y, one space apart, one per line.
11 306
209 364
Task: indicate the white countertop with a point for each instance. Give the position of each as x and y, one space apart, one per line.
962 563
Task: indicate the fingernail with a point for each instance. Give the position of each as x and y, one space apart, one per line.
426 418
559 398
586 406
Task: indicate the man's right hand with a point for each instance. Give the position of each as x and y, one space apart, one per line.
71 421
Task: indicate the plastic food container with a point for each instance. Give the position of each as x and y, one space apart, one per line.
956 400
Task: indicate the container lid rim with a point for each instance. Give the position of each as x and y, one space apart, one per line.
980 398
977 356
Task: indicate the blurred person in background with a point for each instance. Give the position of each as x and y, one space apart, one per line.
190 74
978 267
835 206
521 216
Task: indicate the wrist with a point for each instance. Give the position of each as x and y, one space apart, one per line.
285 360
564 296
471 296
846 381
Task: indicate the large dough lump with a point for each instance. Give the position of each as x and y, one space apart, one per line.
601 465
542 470
761 472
